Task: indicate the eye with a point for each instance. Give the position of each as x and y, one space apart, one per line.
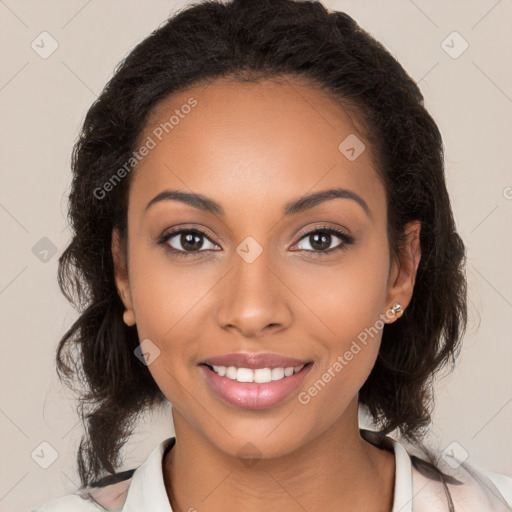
186 242
320 240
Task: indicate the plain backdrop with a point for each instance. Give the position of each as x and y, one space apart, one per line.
43 102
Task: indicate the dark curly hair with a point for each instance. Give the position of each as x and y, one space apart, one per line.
249 41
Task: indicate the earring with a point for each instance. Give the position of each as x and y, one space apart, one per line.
397 310
129 317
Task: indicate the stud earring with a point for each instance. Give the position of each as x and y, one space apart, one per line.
129 318
397 310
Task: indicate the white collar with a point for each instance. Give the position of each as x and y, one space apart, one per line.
147 488
402 501
472 489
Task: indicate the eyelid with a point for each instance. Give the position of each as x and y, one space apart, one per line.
340 233
343 234
339 230
171 233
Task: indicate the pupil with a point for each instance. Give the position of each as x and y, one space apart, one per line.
191 241
321 242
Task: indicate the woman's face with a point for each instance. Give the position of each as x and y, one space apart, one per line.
251 277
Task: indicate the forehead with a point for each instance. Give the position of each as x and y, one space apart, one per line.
248 143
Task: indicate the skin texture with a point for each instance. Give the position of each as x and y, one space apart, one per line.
253 148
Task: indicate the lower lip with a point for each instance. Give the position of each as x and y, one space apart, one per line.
252 395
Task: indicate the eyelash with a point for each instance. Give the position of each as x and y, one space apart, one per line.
346 240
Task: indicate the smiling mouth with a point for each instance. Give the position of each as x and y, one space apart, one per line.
258 388
257 375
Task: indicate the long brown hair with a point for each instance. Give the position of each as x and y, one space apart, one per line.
249 40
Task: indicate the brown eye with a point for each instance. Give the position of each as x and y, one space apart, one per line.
184 242
320 240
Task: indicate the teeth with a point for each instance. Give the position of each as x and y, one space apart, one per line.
231 372
260 375
277 373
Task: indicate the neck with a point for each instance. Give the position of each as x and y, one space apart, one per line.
336 468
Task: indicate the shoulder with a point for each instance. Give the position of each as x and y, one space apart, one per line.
69 503
131 489
106 495
471 488
501 481
428 479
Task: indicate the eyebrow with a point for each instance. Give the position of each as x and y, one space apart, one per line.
300 205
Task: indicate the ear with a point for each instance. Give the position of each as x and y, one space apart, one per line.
404 267
121 270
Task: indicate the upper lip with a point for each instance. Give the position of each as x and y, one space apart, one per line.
253 361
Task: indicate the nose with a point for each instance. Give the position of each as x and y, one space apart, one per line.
253 299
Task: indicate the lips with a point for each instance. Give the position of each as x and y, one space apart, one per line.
253 361
252 395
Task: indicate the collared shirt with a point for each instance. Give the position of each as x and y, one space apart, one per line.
417 487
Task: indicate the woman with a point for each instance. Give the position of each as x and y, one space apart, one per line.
263 238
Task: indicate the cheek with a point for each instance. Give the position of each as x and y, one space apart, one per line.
348 303
335 306
169 302
348 297
167 297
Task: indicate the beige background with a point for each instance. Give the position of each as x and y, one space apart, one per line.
43 102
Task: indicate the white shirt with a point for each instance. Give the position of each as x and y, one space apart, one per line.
480 490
